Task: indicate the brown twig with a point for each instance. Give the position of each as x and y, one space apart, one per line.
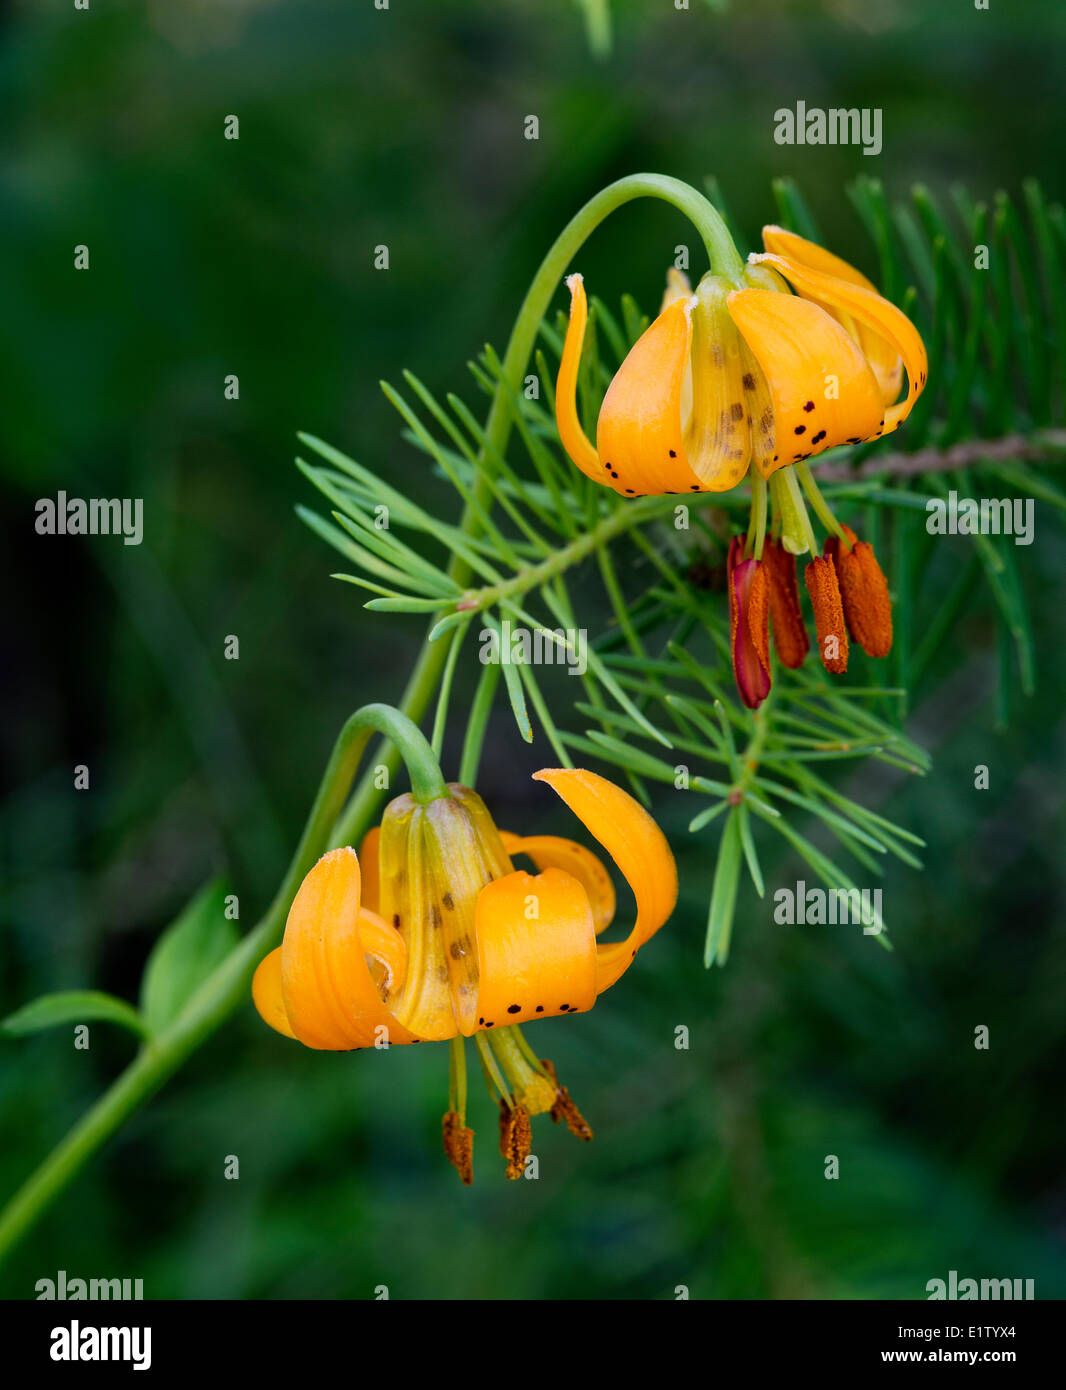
965 455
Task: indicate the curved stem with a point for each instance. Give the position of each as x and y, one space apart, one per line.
724 259
228 986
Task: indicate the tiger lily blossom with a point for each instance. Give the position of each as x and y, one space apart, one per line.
733 375
802 356
431 933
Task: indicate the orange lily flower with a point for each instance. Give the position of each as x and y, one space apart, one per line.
431 934
732 375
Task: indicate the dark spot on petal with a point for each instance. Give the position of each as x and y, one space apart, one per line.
801 429
540 1008
816 439
693 487
514 1008
749 382
564 1007
809 407
673 453
630 490
736 410
396 919
448 901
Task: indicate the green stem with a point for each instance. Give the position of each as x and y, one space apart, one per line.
818 502
757 526
226 989
527 1051
457 1077
797 534
493 1076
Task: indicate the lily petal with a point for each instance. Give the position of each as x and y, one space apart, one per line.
717 434
536 950
639 435
638 847
329 996
554 852
266 994
874 313
823 390
884 360
573 437
371 869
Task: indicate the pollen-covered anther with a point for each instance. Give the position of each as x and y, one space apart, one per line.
749 613
786 618
821 580
459 1146
516 1137
863 592
565 1109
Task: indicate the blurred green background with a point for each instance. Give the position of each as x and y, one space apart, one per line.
210 256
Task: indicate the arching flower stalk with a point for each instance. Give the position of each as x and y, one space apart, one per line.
431 934
746 373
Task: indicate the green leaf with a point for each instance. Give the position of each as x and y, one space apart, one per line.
183 957
724 893
72 1006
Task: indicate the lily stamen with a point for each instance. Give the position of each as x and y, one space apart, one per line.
459 1146
516 1138
821 580
863 591
563 1108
